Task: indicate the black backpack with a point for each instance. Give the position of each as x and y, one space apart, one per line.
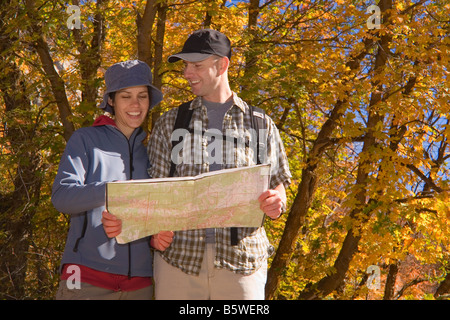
258 122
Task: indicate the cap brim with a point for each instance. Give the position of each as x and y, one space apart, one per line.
190 57
104 104
156 95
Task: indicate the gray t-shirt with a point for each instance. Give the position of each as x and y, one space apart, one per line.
216 112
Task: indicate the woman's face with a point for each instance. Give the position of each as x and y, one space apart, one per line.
130 108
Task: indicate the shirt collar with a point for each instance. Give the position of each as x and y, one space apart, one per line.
197 102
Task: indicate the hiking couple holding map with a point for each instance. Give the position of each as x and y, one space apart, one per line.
208 263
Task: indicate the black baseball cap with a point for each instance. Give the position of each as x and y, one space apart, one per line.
202 44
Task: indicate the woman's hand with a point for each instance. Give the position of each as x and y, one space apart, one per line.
111 224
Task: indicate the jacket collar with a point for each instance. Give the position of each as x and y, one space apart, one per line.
104 121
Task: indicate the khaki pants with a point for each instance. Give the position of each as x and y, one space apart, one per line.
90 292
211 284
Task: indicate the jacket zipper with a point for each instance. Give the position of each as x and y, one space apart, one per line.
131 167
130 149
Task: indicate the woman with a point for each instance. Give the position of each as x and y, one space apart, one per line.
95 266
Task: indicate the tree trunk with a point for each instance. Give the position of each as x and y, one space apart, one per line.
144 28
17 207
144 25
159 43
56 83
89 58
444 287
251 54
390 281
307 187
330 282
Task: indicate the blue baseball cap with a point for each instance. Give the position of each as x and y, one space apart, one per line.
128 74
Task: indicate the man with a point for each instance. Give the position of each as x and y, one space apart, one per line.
206 264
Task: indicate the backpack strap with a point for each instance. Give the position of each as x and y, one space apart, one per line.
258 122
182 121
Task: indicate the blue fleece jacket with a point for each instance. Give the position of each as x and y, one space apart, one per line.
93 157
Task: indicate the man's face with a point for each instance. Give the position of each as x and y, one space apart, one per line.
204 77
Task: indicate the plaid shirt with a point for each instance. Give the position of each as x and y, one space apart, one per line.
187 249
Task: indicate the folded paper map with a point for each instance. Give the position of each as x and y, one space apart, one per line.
224 198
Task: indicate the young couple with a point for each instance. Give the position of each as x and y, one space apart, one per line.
192 264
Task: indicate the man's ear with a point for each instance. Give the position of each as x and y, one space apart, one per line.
224 62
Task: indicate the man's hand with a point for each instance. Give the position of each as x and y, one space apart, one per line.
162 240
273 202
111 224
